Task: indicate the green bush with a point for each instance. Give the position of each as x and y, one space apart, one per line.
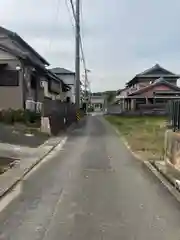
7 116
32 117
19 116
90 109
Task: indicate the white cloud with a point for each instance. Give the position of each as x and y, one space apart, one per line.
121 37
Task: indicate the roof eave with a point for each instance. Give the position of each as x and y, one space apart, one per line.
62 71
153 85
16 37
132 81
158 75
70 73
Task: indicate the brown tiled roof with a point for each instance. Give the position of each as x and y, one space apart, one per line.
158 82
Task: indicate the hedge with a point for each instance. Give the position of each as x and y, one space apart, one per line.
11 116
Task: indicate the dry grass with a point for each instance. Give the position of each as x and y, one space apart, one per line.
145 135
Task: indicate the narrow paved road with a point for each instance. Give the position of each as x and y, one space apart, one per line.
92 190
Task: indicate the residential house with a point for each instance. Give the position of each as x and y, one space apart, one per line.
98 102
54 87
151 88
20 70
68 77
121 93
23 75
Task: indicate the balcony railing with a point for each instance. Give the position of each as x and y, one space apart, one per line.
34 106
133 89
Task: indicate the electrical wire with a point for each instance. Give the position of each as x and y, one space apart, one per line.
86 82
55 20
81 44
73 9
82 21
70 16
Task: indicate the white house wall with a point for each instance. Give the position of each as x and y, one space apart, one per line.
48 94
6 56
69 80
11 97
97 100
71 94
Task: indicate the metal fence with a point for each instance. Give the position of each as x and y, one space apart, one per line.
61 114
114 109
173 109
158 109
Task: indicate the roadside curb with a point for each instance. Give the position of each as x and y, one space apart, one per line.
164 179
24 172
15 180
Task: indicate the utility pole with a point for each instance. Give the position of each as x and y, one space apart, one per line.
86 84
77 53
85 90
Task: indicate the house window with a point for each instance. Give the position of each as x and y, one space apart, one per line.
54 86
160 100
68 99
33 82
9 78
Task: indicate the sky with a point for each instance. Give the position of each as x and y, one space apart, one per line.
120 37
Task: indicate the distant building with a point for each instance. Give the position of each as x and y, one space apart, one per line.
148 89
97 102
68 78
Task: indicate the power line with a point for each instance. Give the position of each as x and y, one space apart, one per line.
55 20
81 45
86 82
73 9
74 16
70 16
81 10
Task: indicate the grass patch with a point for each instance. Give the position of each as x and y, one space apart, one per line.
145 135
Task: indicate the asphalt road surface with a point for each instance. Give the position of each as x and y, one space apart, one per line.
92 190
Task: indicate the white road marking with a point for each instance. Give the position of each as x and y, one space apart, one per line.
52 154
11 196
7 199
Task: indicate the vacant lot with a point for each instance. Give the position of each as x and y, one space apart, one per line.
145 135
6 163
21 135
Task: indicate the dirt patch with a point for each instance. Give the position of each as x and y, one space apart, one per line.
7 163
145 135
22 135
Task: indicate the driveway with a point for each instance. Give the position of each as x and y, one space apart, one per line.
92 189
18 136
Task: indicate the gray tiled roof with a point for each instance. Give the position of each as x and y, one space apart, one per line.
155 67
25 47
154 72
59 70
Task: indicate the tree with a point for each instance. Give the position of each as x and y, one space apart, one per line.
110 96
